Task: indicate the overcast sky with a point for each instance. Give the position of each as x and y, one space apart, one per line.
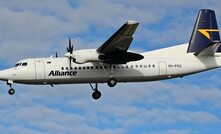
40 28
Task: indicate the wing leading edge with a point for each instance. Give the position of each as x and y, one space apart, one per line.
114 50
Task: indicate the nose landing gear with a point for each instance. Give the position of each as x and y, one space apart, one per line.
11 91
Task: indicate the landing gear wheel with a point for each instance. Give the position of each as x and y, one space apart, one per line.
112 82
96 94
11 91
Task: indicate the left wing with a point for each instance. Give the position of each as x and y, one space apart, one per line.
114 50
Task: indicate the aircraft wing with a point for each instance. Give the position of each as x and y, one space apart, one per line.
114 50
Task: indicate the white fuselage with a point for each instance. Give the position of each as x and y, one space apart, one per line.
161 64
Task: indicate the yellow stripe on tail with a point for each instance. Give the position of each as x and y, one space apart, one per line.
205 32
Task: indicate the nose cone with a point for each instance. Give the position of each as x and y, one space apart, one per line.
6 74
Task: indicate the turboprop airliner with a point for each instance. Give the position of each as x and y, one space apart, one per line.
112 62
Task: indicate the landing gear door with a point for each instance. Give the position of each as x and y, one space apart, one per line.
162 67
39 70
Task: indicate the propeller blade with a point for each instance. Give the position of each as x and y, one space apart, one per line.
69 42
56 55
70 47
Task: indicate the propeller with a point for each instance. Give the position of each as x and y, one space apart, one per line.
70 52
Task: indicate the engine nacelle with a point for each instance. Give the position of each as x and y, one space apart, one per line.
84 56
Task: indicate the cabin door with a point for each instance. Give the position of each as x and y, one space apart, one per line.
162 67
39 70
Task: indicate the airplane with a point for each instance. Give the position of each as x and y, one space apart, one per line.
112 62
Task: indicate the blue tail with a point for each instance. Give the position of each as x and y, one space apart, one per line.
205 32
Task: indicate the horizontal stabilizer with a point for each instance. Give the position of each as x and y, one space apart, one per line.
209 50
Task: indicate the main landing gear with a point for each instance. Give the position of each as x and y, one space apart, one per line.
96 94
11 91
111 82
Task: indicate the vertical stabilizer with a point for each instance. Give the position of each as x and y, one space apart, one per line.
205 32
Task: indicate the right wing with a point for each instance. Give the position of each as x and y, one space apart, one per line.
114 50
120 40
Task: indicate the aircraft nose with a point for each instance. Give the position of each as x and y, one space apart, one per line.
6 74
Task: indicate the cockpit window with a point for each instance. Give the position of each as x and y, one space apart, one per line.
24 64
21 64
16 64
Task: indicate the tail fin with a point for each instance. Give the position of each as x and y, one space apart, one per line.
205 33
